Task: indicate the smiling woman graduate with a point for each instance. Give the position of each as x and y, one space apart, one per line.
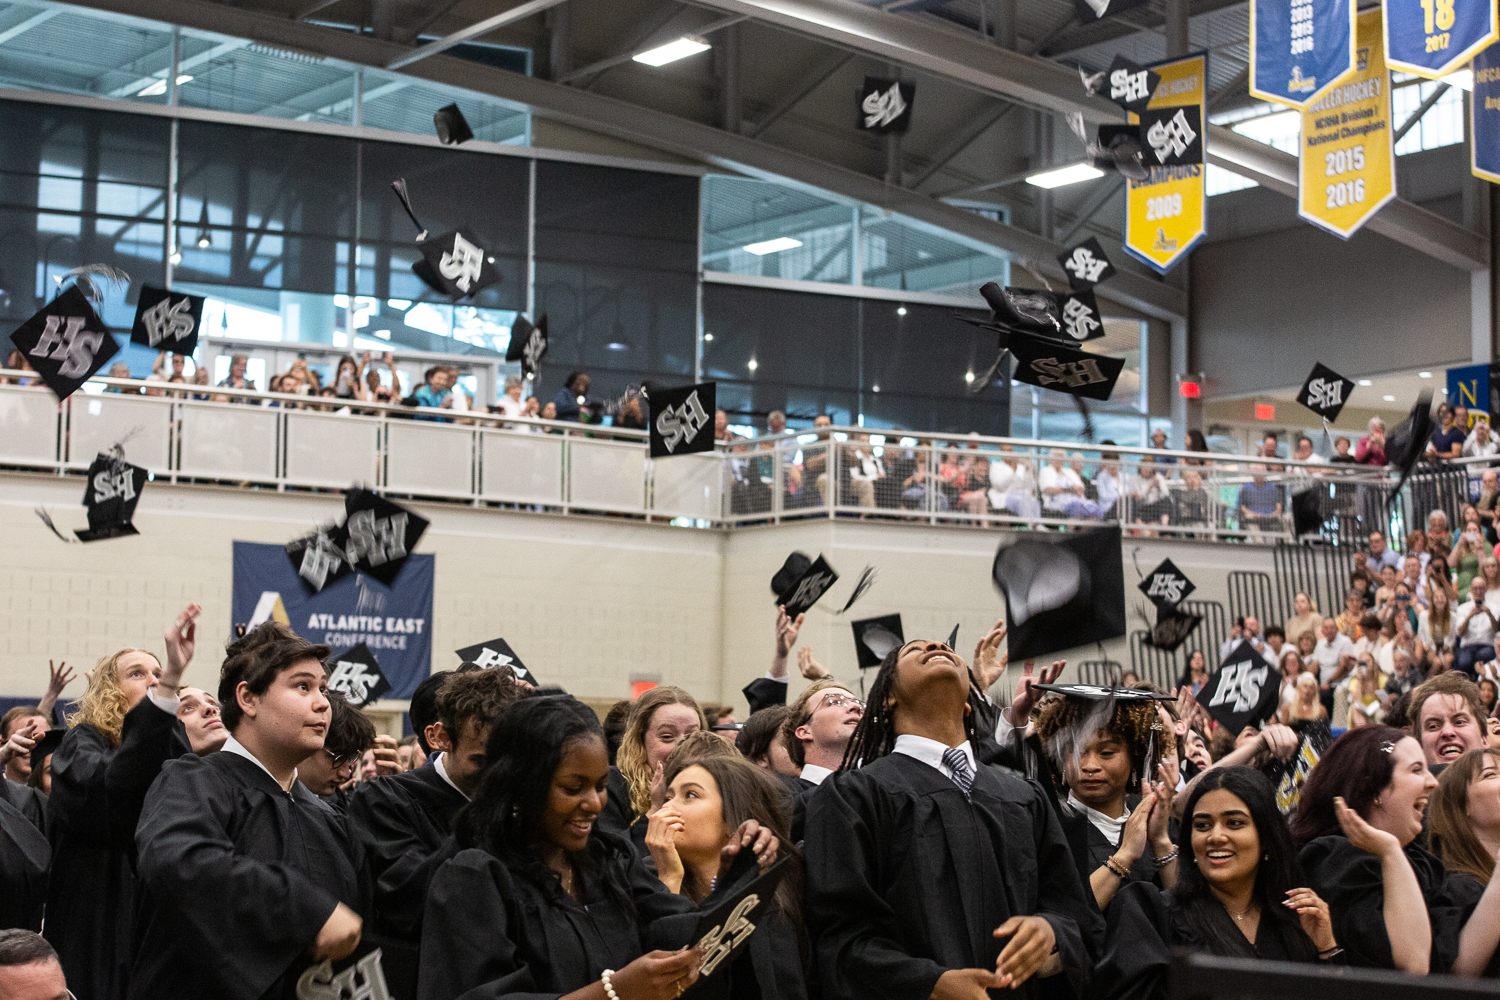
930 875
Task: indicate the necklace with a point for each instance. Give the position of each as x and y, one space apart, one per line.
1242 915
567 880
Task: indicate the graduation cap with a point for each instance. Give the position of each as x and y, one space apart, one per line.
865 582
1308 512
455 265
378 535
1171 629
1325 392
1244 691
1086 264
1041 313
318 558
1174 135
46 744
496 653
66 342
1127 84
452 129
724 932
1166 585
114 488
399 186
528 344
1288 776
874 638
167 321
1117 148
953 637
801 581
1093 692
1061 594
1053 365
1406 445
360 974
682 420
884 105
356 675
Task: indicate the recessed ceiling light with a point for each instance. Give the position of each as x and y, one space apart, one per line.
708 336
1364 381
1424 374
875 388
615 345
1071 174
1389 399
160 86
900 310
968 376
753 364
777 245
671 52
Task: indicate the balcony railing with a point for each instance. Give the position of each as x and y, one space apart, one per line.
290 442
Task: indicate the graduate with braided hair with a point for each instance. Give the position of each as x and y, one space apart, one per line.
931 875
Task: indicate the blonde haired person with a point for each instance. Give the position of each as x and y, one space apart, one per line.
657 722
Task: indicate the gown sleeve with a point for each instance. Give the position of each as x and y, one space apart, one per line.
25 857
1063 897
402 861
1137 945
151 737
1349 880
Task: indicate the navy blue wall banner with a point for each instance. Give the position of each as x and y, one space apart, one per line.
1484 110
1432 38
395 622
1299 50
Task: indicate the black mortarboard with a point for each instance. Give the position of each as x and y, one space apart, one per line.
167 321
66 342
1171 629
953 637
682 420
875 637
724 932
1308 512
378 535
1061 594
1174 136
801 582
47 743
528 344
1118 148
1053 365
1325 392
1166 585
1086 264
1244 691
452 129
318 558
1093 692
114 488
1406 445
884 105
1081 319
1129 85
1035 312
455 265
356 675
495 653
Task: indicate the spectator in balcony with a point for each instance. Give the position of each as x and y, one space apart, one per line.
1192 501
1489 500
1467 555
1341 454
19 362
865 469
976 497
791 487
1246 630
815 457
117 370
1159 440
1196 675
1380 555
1411 575
1195 442
1305 617
1447 440
1481 442
375 390
299 381
154 385
1259 502
237 380
1012 486
169 366
631 415
1270 446
510 403
1107 481
436 391
916 486
1304 452
346 381
1062 489
200 378
1153 498
1475 629
1371 447
549 411
573 401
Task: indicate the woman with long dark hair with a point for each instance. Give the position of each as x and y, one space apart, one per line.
1358 820
540 901
1465 833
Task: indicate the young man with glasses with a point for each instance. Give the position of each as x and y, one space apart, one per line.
350 734
818 727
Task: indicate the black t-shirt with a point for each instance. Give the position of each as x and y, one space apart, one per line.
1444 440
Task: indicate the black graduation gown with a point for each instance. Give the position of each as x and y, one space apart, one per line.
1464 891
405 823
236 879
96 797
489 932
1349 881
764 693
908 878
25 857
1077 826
615 817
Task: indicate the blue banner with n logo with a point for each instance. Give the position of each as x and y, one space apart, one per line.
395 622
1299 50
1469 386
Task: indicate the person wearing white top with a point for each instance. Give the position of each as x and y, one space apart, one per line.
510 403
1012 486
1475 628
1062 489
1335 656
1481 443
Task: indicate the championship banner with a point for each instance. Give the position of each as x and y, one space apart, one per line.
1484 115
1432 38
394 623
1469 387
1298 52
1347 170
1167 213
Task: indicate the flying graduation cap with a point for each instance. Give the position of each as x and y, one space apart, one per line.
66 342
884 105
114 488
1171 629
1061 594
1086 265
167 321
1166 586
528 344
874 638
1127 84
495 653
1053 365
1094 692
1244 691
1174 136
378 534
682 420
1310 509
453 264
356 675
452 129
1090 11
801 581
1405 446
318 557
1325 392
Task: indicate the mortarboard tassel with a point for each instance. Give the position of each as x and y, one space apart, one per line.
983 381
87 277
1088 419
41 512
399 186
866 581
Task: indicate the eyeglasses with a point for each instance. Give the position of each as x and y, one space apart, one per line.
337 761
840 700
728 727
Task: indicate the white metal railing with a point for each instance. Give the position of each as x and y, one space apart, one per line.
290 441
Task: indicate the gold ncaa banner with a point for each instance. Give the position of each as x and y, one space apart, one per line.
1347 169
1167 213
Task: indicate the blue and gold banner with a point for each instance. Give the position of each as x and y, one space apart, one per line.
1299 50
1484 113
1432 38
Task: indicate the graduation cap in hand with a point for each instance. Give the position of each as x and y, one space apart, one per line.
528 344
1127 84
46 744
1325 392
1093 692
724 931
801 581
378 535
1244 691
874 638
884 105
1086 264
318 558
1166 585
66 342
452 129
167 321
114 488
356 675
682 420
496 653
1061 594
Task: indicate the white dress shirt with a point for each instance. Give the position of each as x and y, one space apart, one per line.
442 771
815 773
232 745
930 752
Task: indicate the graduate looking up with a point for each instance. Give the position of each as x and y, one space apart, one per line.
930 875
818 729
246 877
328 771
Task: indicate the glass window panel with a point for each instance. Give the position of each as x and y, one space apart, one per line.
401 104
84 52
899 254
815 233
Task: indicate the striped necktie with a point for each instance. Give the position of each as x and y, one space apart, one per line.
962 774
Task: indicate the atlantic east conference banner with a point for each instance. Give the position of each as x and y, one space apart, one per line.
1167 213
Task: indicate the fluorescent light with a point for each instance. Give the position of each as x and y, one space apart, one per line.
1463 79
160 86
1072 174
1365 381
615 345
671 52
777 245
1389 399
1424 374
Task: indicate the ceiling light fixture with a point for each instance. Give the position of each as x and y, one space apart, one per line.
1389 399
708 336
672 51
753 364
968 376
1365 381
777 245
1074 173
159 87
900 310
1424 374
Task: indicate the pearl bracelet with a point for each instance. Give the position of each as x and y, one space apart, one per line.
609 989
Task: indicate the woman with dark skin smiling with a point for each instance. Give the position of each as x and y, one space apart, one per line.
539 901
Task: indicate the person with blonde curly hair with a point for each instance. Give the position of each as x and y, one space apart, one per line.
124 729
659 719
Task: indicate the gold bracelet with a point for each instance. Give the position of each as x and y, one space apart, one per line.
1116 868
